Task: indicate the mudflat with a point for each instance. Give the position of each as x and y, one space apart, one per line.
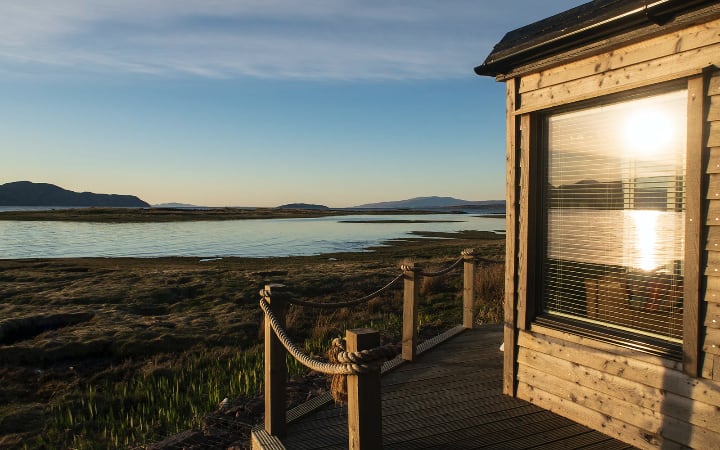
114 353
131 215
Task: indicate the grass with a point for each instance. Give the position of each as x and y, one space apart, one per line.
113 353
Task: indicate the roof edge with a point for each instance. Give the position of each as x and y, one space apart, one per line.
652 14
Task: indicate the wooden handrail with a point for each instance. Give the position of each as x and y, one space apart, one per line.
364 401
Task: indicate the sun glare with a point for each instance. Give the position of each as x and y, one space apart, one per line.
648 131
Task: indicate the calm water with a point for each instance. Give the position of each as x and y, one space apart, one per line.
250 238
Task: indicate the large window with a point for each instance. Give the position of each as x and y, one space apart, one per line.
614 214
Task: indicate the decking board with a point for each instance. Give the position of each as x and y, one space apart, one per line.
451 397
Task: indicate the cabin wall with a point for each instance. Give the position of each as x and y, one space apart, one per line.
642 399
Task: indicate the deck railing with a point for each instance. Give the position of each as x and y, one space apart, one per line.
362 357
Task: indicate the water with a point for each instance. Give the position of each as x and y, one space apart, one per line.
247 238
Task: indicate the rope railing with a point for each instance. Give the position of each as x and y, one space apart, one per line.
350 363
357 368
443 271
296 301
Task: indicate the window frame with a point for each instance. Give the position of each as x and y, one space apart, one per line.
531 231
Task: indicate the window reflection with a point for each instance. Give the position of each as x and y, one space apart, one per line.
614 213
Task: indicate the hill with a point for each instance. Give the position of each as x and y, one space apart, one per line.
26 193
434 202
302 206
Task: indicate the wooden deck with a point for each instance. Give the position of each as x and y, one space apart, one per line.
451 397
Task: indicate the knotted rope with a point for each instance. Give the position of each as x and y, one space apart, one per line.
375 357
349 363
366 298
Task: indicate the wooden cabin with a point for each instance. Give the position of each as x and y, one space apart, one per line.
612 307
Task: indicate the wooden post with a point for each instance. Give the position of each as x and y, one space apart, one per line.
275 366
411 272
364 402
468 287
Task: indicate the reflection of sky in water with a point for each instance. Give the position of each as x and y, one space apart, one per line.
253 238
645 240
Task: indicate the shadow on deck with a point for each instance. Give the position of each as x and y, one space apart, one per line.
451 397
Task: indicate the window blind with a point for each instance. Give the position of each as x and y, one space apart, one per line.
614 213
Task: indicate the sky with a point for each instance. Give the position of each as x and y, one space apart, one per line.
257 102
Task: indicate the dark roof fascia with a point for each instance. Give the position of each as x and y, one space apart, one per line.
585 26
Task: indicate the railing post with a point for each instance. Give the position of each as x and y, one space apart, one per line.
411 272
275 365
364 403
468 287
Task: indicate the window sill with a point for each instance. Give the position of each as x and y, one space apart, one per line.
619 338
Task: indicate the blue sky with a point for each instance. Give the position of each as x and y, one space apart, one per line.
257 102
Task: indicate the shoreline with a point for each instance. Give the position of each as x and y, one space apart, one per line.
155 215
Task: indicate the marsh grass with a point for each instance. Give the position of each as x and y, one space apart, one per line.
170 338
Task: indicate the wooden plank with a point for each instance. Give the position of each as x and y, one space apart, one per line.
714 159
712 289
712 341
713 139
527 244
716 370
693 224
580 441
714 109
663 428
713 189
404 422
598 346
707 367
511 236
592 379
712 217
628 367
714 85
713 259
515 437
671 67
642 418
681 41
615 395
480 433
610 426
712 315
422 435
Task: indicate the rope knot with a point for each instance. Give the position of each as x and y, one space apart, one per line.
361 362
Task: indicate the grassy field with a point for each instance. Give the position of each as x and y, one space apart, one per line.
114 353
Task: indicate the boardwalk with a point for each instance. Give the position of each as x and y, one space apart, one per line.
452 398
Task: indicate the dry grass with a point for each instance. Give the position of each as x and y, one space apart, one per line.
490 282
148 324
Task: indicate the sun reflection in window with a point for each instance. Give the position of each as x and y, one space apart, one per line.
645 249
648 131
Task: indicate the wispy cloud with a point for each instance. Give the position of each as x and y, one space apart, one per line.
309 39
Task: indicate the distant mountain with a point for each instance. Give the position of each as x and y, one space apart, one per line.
26 193
176 205
433 203
302 206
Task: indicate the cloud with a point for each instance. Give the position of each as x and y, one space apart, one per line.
279 39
